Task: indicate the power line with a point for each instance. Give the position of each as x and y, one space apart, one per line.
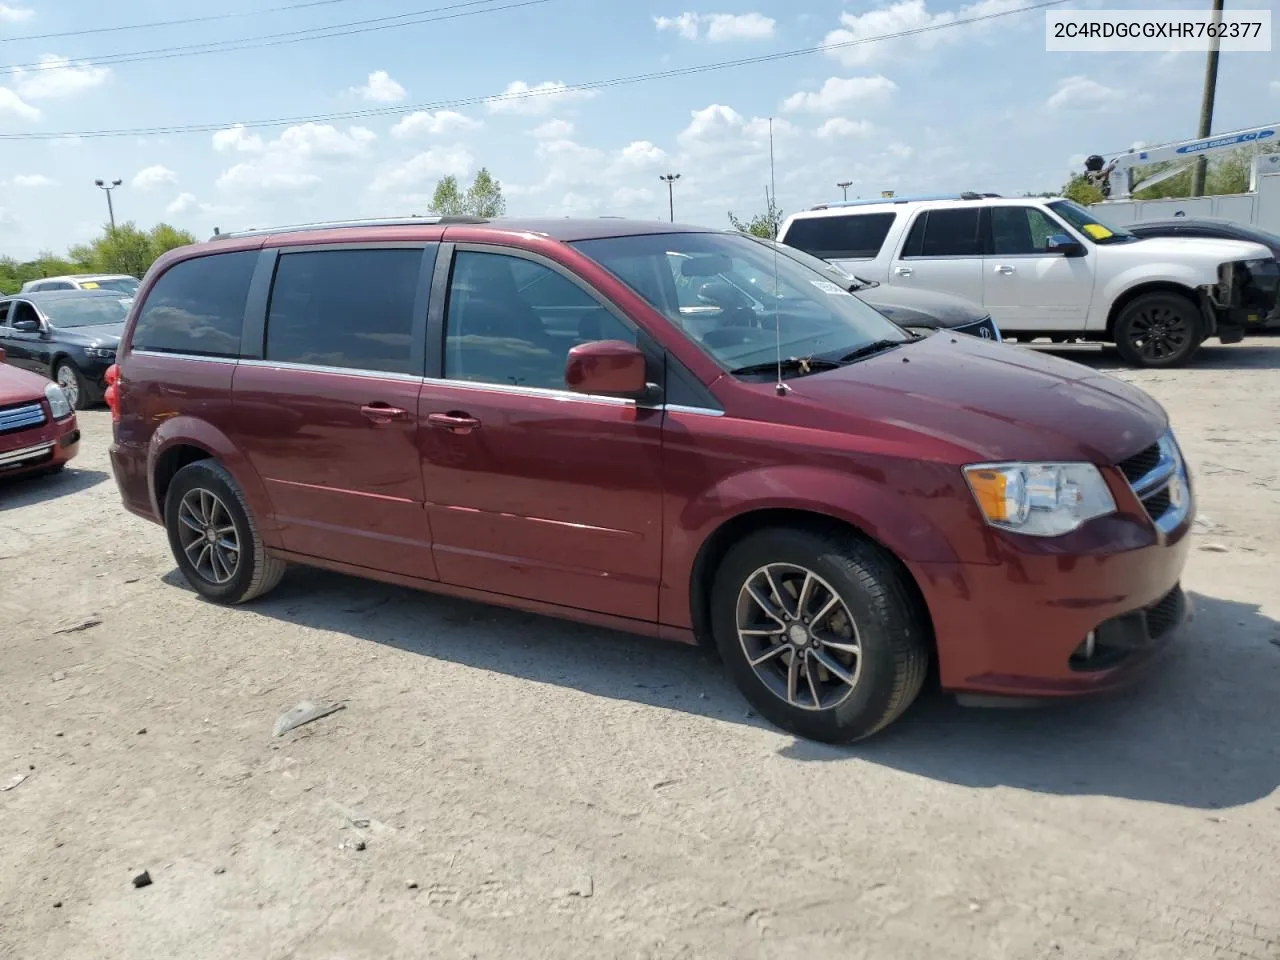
292 36
528 94
169 23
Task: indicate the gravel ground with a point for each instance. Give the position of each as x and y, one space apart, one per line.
501 785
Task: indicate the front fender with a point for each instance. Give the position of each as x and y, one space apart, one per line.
1190 278
193 432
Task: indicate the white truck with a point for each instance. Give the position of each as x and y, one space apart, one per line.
1044 268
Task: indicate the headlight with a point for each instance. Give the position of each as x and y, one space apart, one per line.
101 353
59 405
1039 499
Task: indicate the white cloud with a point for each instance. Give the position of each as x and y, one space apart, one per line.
422 122
719 27
236 139
422 170
10 14
843 127
899 17
542 98
7 219
289 162
380 88
1275 86
32 180
182 203
553 130
154 176
1080 91
641 153
58 77
721 129
840 92
14 106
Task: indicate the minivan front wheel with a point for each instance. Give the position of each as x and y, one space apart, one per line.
214 537
820 633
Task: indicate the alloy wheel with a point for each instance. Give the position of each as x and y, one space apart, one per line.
208 535
799 636
1159 332
66 378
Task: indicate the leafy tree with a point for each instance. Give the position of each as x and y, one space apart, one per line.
124 250
485 198
1079 189
764 225
447 201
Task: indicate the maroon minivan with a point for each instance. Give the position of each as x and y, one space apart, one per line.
585 418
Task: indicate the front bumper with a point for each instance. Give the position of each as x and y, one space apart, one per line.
40 448
1073 615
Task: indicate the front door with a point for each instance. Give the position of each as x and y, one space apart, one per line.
28 349
328 417
942 253
535 491
1025 285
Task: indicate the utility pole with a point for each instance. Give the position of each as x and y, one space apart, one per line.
1206 102
670 180
845 185
111 210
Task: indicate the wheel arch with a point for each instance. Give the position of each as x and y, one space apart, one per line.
1190 294
736 528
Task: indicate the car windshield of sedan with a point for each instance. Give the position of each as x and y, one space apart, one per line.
737 298
87 311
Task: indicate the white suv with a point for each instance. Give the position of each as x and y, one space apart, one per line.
115 282
1044 268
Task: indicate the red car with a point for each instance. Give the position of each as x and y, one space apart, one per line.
38 432
567 417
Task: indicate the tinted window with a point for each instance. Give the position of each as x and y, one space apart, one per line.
951 233
23 311
87 311
4 314
513 321
197 306
345 308
846 237
1022 230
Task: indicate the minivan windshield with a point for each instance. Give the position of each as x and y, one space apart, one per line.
1099 231
724 292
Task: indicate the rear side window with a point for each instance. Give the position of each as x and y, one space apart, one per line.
944 233
197 306
345 308
847 237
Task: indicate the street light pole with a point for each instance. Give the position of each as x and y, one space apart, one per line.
1206 103
111 210
845 185
670 180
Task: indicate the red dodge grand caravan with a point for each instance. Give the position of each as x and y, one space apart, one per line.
589 419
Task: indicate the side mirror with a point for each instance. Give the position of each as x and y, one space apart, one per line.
1063 244
608 367
26 326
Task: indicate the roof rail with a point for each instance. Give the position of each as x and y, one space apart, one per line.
410 221
872 201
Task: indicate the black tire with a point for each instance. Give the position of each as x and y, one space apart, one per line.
891 628
68 370
255 572
1179 331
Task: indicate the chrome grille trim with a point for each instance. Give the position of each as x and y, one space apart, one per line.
14 458
21 417
1156 488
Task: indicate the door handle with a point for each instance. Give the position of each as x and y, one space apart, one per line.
383 412
1004 270
902 271
454 422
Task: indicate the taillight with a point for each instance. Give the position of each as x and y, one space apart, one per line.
112 394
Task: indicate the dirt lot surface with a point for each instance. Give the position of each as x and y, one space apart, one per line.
500 785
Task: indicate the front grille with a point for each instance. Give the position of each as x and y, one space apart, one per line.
21 417
1140 464
1158 504
1166 613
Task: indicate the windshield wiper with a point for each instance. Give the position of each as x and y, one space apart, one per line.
793 365
861 283
875 346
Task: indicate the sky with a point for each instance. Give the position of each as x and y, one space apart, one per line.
973 107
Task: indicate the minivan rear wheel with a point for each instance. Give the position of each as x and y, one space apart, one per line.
820 632
214 537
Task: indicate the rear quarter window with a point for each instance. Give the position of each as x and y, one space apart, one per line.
854 236
197 306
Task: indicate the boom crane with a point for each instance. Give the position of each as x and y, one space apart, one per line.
1120 170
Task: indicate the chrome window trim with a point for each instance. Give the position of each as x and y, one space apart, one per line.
699 411
365 372
183 356
515 389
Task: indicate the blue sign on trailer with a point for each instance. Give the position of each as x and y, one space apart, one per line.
1214 143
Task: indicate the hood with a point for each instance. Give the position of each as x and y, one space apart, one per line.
19 386
102 334
1195 248
978 400
921 308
